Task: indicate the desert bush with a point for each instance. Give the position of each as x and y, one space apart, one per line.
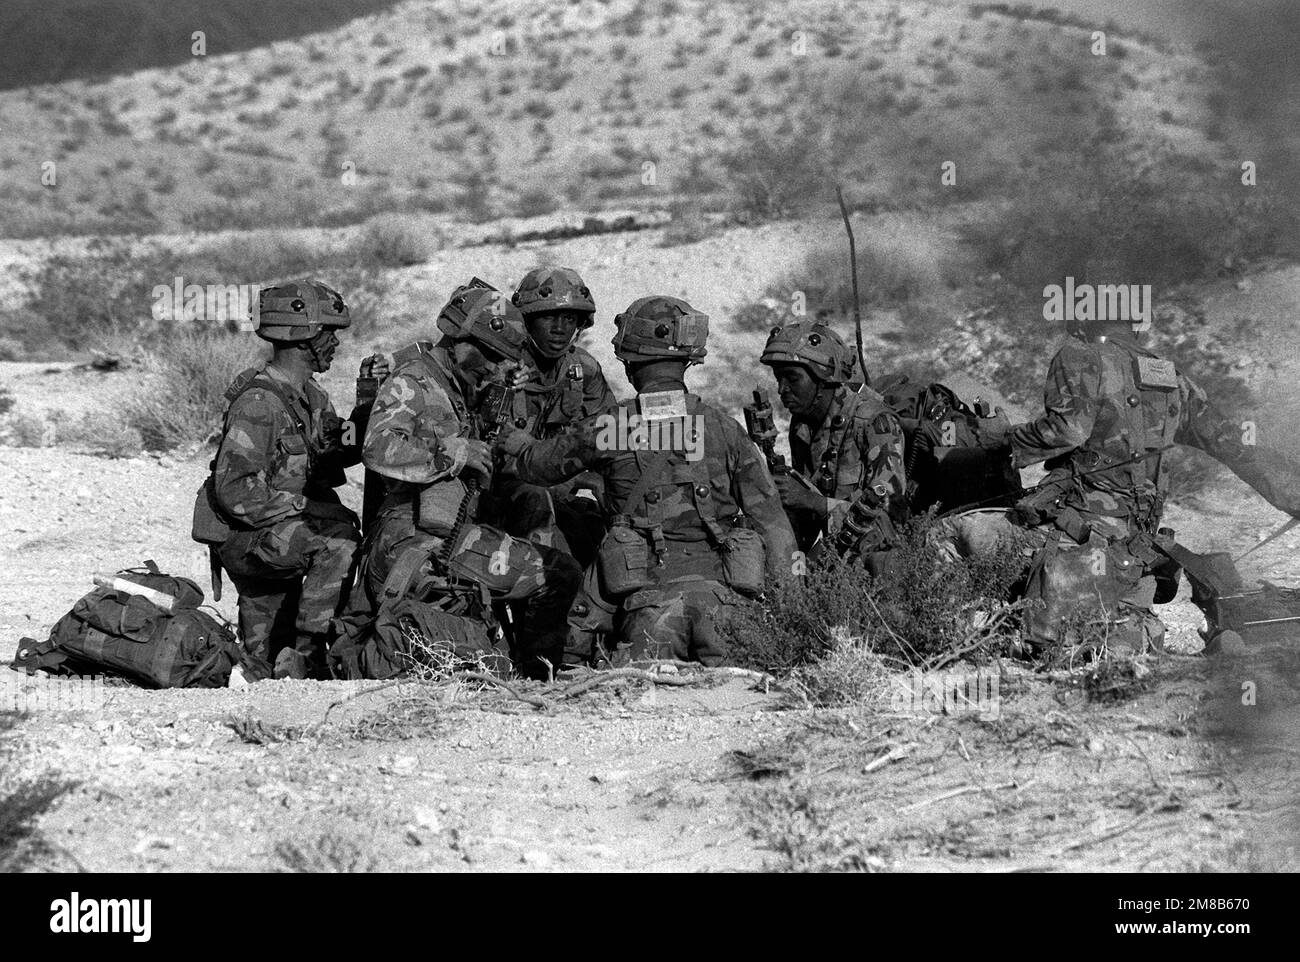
920 610
536 201
772 173
21 429
391 240
849 672
324 853
105 434
22 801
688 225
81 297
181 397
898 262
1164 219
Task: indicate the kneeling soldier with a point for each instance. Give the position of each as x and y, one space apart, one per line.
697 524
426 441
283 451
845 444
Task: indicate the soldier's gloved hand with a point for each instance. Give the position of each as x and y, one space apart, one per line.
517 376
376 366
332 432
512 440
795 495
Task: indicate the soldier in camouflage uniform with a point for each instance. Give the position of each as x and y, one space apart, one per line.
697 521
423 438
282 452
1112 409
847 443
565 385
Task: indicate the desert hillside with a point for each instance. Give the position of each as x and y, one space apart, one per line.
682 147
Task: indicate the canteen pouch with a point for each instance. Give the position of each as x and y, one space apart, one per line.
624 560
744 561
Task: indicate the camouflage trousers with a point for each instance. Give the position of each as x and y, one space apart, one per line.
678 618
292 578
537 582
1089 592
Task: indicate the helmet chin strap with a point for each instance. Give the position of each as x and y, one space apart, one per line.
546 353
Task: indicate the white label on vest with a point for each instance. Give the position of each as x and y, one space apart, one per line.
1156 373
662 405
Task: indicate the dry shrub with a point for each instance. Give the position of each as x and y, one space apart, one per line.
22 801
688 225
325 853
899 263
391 240
182 390
22 430
849 673
921 611
105 433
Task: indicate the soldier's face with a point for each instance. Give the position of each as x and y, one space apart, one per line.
326 344
796 387
554 332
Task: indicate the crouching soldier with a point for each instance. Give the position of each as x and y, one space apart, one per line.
697 525
846 445
1113 408
564 386
282 453
425 440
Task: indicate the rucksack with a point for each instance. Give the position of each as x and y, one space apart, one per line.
946 466
418 623
115 632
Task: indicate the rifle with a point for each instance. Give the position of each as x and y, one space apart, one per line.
495 410
761 426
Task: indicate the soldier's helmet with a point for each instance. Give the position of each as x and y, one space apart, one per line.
661 327
547 289
298 311
478 312
815 347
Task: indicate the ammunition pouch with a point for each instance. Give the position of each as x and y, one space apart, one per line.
744 561
1073 525
624 559
438 506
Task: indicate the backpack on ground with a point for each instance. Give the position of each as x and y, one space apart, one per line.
145 626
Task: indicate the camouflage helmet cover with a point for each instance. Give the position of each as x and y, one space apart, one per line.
299 310
813 346
661 327
547 289
480 313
